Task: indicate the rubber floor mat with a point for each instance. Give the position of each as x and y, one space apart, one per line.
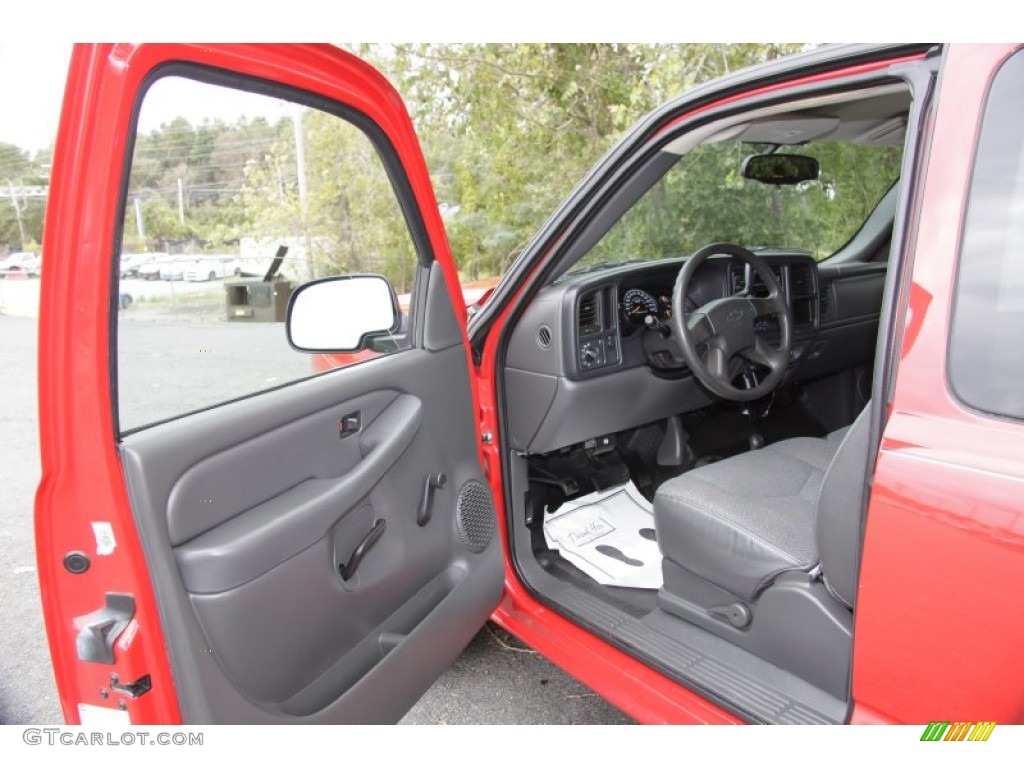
609 536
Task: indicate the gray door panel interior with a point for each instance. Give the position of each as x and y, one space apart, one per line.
248 510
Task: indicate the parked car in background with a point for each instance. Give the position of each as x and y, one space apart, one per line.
132 262
22 261
211 267
150 269
174 268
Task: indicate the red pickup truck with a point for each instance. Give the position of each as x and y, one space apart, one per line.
761 461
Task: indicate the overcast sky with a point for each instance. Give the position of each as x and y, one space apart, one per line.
32 73
31 89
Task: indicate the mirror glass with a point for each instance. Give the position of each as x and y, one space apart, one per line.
337 314
780 169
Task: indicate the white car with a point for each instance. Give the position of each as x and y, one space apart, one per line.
150 269
132 262
174 268
22 261
211 267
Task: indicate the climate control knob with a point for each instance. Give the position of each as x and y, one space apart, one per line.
591 355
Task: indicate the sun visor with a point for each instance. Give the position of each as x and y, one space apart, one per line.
890 133
789 130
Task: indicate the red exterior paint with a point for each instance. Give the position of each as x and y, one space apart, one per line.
81 473
939 624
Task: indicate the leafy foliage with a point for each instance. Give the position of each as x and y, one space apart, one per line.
704 199
507 129
18 168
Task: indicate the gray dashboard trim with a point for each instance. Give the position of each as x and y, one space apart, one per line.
583 409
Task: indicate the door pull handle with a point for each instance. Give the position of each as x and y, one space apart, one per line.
436 480
348 570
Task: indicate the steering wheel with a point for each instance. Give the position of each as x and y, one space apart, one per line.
715 336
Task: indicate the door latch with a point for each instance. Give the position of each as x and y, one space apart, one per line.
100 629
132 690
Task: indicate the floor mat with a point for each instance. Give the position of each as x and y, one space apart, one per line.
609 536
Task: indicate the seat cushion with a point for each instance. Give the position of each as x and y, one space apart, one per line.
740 522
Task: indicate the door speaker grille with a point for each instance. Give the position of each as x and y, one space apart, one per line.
475 516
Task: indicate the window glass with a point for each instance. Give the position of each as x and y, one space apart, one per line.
223 181
703 199
986 366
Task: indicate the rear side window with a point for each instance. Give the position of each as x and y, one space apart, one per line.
986 355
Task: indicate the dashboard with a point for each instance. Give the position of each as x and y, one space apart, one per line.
590 356
621 317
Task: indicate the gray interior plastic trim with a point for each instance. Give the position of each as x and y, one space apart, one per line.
840 511
524 350
530 396
290 646
797 625
222 486
440 326
855 298
757 690
260 538
604 404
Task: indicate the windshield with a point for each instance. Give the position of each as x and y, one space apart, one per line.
704 199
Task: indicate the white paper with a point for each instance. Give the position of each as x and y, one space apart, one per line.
600 534
105 542
99 717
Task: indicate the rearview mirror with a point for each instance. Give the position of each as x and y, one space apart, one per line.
341 314
780 169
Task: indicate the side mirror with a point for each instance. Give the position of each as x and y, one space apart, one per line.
341 314
780 169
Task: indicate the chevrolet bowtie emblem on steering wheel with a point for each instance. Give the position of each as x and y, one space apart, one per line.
735 316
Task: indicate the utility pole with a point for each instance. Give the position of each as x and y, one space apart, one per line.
300 161
17 212
300 167
138 219
181 201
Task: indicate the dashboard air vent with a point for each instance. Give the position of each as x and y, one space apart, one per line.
589 314
544 336
758 288
825 304
737 279
801 283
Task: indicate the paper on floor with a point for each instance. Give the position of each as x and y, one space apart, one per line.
609 536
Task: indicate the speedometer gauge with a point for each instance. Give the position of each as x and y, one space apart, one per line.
638 304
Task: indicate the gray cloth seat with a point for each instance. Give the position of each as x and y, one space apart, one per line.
740 522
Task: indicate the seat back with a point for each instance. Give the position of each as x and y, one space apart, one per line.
840 506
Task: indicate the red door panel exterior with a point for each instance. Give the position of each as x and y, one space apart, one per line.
939 618
82 480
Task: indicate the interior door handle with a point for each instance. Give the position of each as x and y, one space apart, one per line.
348 570
433 481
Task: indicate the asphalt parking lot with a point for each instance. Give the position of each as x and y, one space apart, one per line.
497 680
